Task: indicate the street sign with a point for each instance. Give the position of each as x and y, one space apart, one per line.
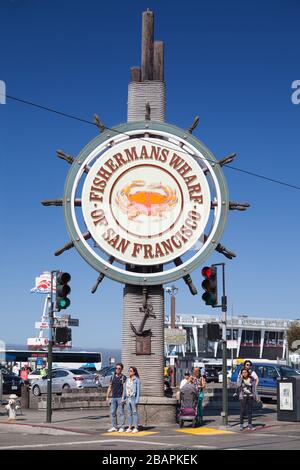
42 325
232 344
175 336
37 343
73 322
66 321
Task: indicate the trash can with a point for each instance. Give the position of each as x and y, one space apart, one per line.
288 399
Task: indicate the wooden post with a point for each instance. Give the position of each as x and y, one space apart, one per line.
158 61
135 74
147 45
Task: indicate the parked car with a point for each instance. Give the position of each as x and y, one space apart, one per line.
104 369
211 374
268 374
92 370
11 382
35 375
64 379
105 377
229 374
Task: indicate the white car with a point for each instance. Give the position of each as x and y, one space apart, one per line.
34 375
64 379
105 376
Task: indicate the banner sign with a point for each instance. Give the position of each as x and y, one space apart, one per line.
43 284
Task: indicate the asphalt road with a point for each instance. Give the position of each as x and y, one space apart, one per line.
277 438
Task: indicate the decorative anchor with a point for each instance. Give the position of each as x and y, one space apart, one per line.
148 312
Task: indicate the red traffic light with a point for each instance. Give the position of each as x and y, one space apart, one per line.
210 285
207 272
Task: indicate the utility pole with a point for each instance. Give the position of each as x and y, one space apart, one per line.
1 386
224 349
223 306
173 291
50 351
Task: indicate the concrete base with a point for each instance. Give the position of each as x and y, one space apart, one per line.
155 411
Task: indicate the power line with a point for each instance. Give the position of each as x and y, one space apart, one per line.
86 121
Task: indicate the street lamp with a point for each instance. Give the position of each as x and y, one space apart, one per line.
173 290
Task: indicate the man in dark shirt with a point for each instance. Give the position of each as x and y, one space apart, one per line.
116 390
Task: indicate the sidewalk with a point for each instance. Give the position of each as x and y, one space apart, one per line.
95 421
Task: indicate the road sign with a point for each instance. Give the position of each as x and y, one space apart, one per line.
66 321
42 325
232 344
175 336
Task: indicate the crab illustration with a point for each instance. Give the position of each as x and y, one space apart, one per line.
148 202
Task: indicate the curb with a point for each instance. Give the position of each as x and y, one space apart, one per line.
38 429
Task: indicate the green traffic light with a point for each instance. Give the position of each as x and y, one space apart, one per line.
64 303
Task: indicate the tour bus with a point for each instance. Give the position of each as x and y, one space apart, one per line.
65 359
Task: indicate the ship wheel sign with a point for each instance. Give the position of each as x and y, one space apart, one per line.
145 203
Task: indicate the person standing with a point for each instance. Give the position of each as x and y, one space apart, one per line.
131 397
185 379
16 369
200 383
116 390
24 373
248 366
43 372
246 389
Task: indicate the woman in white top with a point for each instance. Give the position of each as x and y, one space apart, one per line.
132 396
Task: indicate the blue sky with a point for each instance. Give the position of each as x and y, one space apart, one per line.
232 63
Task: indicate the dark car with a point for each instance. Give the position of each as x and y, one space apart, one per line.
211 374
11 382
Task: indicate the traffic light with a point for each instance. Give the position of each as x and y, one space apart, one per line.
210 285
213 332
62 291
63 335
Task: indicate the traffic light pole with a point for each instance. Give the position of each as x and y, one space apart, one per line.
224 347
50 350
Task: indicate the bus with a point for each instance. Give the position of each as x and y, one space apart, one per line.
64 359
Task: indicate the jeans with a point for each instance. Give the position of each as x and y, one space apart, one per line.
246 404
132 412
115 405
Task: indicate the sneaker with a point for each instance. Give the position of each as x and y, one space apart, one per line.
250 427
121 430
135 430
128 430
113 429
241 427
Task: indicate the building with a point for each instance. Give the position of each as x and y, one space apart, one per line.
250 337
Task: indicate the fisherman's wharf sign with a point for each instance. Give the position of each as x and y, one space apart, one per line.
145 195
144 203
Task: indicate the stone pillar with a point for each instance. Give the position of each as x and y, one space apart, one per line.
150 366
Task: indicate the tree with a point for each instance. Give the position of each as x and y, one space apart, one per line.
293 334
